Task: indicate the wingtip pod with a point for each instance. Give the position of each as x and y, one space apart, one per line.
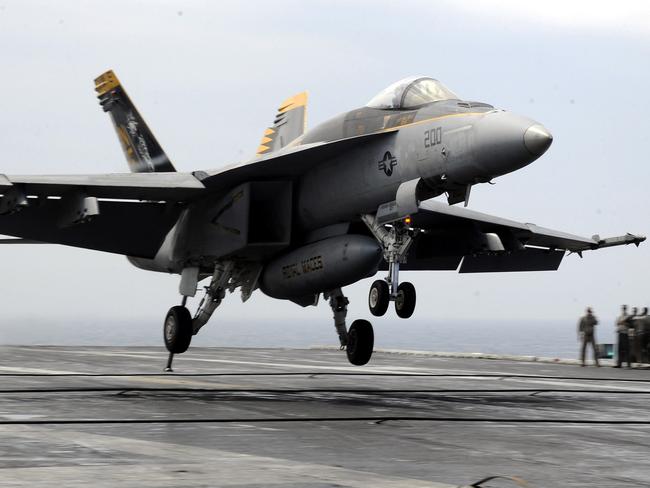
619 241
637 239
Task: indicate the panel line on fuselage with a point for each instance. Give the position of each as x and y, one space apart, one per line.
418 122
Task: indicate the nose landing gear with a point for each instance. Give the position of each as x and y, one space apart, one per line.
378 298
396 242
405 300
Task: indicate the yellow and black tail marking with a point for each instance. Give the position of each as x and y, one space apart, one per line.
142 151
289 124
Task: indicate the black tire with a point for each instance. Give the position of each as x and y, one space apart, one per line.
361 340
177 329
405 300
378 298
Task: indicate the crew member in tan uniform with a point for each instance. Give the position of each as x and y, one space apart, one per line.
637 336
586 334
623 349
643 336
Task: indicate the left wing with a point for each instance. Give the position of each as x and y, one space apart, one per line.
486 243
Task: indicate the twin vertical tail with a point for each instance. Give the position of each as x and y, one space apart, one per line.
142 151
289 124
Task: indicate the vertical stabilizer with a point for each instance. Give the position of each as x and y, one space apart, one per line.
288 125
142 151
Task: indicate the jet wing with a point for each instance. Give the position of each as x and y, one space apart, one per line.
486 243
125 186
135 215
128 228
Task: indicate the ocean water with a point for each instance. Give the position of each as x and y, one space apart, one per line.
539 338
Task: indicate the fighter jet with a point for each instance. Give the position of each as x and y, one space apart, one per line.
373 189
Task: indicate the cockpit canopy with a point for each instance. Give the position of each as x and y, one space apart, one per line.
411 92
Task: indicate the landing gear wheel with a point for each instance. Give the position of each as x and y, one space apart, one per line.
178 329
361 340
378 298
405 300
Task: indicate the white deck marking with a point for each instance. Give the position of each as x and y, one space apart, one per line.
369 369
15 369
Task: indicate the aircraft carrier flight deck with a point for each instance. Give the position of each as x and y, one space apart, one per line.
109 416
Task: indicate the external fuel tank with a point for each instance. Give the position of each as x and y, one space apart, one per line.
321 266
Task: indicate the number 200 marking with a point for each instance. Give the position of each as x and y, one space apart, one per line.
432 137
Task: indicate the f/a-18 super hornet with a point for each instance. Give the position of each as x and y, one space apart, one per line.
312 212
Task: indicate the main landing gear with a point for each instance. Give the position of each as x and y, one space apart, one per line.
359 340
396 242
180 326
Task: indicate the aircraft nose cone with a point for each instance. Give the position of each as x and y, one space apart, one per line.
537 139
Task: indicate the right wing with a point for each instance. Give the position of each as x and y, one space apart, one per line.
129 186
128 228
486 243
127 214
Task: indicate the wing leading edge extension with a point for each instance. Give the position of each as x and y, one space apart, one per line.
486 243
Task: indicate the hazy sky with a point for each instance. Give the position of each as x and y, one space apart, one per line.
208 76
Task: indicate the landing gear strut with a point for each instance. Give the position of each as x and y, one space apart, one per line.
396 242
339 305
179 326
358 342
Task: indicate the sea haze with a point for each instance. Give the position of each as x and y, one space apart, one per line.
555 339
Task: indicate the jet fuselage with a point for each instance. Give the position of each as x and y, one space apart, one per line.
448 144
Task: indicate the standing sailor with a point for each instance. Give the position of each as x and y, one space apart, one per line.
637 342
586 334
623 349
643 337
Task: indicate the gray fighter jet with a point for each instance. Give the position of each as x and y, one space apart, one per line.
314 211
